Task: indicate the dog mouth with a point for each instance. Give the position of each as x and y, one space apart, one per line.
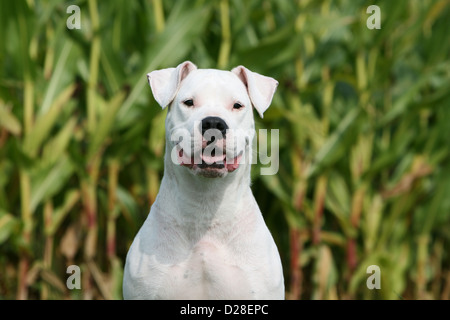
209 162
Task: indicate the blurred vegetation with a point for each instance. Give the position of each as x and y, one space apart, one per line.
364 120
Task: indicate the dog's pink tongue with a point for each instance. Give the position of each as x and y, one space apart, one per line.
234 164
213 159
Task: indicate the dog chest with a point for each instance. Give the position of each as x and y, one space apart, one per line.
210 272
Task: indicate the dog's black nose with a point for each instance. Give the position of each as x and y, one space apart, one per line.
214 123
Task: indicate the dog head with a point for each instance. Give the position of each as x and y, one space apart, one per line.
210 126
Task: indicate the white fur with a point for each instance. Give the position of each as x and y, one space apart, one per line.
205 238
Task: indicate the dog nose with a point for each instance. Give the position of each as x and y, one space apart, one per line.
214 123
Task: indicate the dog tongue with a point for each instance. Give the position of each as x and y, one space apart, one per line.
187 161
234 164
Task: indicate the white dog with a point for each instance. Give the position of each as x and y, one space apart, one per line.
205 237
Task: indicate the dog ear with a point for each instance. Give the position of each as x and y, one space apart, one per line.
164 83
260 88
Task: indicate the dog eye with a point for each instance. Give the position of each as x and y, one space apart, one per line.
189 102
237 105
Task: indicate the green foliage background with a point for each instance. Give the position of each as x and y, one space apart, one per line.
364 117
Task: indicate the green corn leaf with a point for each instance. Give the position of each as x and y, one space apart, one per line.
338 201
8 120
7 225
45 122
55 80
156 139
402 104
336 144
48 182
71 198
105 124
129 207
57 145
274 184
